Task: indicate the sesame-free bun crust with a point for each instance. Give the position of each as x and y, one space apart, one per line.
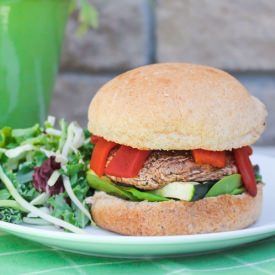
176 106
222 213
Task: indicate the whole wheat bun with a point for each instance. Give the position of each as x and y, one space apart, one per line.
176 106
222 213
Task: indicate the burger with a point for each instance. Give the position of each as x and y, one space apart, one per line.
172 152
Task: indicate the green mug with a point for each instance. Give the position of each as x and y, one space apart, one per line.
31 34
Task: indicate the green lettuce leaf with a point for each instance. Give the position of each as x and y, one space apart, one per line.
5 136
61 205
20 135
11 215
60 208
105 184
25 189
129 193
143 195
4 194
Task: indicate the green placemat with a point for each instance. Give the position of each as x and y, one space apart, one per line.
18 256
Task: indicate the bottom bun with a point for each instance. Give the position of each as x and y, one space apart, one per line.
222 213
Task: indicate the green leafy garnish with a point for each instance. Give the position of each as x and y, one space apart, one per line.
4 194
5 135
62 210
25 189
11 215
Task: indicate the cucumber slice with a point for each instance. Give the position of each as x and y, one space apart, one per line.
177 190
202 189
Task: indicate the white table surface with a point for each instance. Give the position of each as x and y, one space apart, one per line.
266 150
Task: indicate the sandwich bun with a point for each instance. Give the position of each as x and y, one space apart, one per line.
216 214
177 106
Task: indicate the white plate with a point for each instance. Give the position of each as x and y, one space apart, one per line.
103 243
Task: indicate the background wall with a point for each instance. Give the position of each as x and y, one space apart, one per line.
237 36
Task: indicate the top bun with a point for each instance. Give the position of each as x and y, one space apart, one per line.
177 106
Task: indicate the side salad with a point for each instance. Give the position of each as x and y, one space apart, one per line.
43 175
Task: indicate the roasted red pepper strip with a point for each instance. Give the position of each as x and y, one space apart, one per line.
248 150
214 158
100 155
245 168
127 162
95 139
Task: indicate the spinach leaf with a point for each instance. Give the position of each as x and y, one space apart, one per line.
105 184
129 193
238 191
143 195
225 186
